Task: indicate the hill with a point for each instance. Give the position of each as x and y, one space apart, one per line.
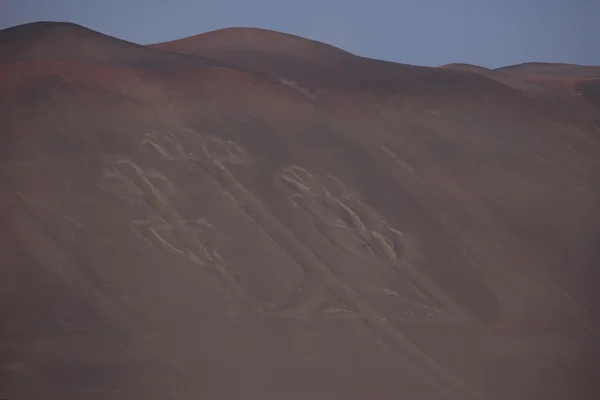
245 211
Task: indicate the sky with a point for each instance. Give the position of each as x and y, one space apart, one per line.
490 33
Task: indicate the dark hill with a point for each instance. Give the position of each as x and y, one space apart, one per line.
554 69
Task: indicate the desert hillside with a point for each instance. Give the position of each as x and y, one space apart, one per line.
250 214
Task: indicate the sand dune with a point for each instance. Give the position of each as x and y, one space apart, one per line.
249 214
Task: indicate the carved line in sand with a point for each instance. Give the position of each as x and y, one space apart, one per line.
353 226
347 222
159 232
217 149
350 225
193 240
295 86
311 293
439 377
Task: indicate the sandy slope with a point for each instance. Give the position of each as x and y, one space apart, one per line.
247 214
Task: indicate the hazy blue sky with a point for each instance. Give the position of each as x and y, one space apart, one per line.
484 32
